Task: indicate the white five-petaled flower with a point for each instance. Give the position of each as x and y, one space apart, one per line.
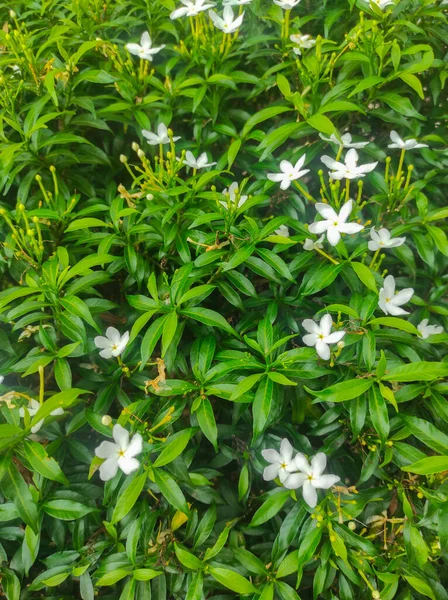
233 195
302 42
382 3
334 224
349 168
390 301
161 137
427 330
282 463
190 8
33 407
286 4
313 245
397 142
144 50
289 172
320 336
113 344
199 163
381 239
120 453
311 477
228 23
346 141
282 231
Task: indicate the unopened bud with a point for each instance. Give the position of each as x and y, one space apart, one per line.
106 420
38 178
351 525
35 219
123 158
141 154
12 14
135 146
341 345
376 595
53 169
30 232
21 207
170 132
149 197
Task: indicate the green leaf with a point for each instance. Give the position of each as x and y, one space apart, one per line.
346 390
396 323
270 507
85 224
112 577
318 277
427 433
16 490
417 371
208 317
39 460
188 559
207 423
421 586
66 510
79 308
171 491
428 466
128 497
378 413
262 405
169 331
233 580
175 446
145 574
62 400
322 124
365 275
245 385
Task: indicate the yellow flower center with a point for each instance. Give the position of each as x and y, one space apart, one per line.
283 465
114 346
387 299
121 453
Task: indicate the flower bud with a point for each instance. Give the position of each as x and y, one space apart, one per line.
35 219
52 168
106 420
351 525
135 146
12 14
21 207
123 158
341 345
141 154
376 595
149 197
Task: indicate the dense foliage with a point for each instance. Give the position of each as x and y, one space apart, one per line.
245 300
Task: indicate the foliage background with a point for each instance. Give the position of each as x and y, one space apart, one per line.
197 520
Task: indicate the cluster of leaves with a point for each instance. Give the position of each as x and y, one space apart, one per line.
99 228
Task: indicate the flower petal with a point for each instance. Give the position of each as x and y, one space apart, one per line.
350 228
334 337
326 211
270 472
128 465
309 494
302 463
121 436
323 350
108 469
403 296
101 342
318 227
271 455
135 446
106 353
106 450
333 235
345 211
318 464
295 480
325 324
310 326
286 450
325 481
310 339
113 335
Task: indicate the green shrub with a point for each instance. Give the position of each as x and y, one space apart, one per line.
210 289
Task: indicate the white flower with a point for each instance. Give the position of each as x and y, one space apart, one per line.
236 2
119 454
302 41
161 137
282 463
334 224
282 231
113 344
286 4
390 302
228 24
33 407
311 477
382 3
232 194
200 163
144 50
289 172
190 8
348 169
427 330
404 145
311 245
346 141
382 239
320 335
